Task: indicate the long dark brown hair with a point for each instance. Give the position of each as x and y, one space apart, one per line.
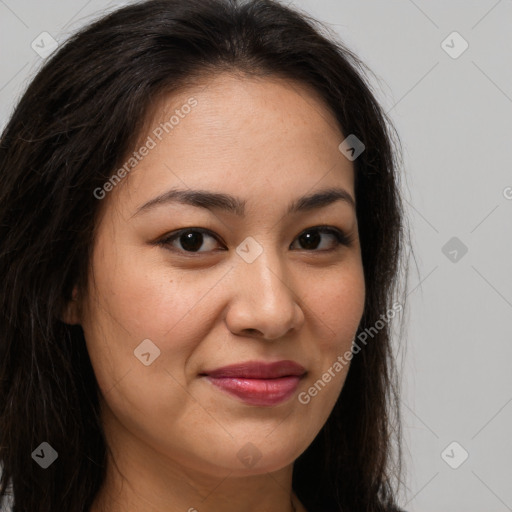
79 117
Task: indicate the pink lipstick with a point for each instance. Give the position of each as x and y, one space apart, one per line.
257 382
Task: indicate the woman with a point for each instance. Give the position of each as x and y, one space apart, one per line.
200 240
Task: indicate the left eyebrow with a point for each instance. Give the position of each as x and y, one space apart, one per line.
236 206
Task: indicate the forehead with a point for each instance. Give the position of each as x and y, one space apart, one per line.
247 135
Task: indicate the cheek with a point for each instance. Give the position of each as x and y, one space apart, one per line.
131 302
140 298
134 298
336 305
338 302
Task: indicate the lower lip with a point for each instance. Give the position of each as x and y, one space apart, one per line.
262 392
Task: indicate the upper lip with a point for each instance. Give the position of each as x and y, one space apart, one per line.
258 370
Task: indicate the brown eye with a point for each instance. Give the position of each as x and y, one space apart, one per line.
189 240
312 238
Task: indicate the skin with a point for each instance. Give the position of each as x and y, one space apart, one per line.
174 437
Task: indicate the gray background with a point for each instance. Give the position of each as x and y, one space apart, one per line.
454 116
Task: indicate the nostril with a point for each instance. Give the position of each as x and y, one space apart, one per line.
252 331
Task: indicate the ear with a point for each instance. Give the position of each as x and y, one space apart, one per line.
71 314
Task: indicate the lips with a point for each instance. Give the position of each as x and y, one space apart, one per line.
259 370
258 383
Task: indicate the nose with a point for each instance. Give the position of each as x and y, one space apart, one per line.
264 302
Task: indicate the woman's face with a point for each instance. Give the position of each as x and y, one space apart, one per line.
251 279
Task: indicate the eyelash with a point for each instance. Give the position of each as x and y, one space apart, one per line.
341 239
